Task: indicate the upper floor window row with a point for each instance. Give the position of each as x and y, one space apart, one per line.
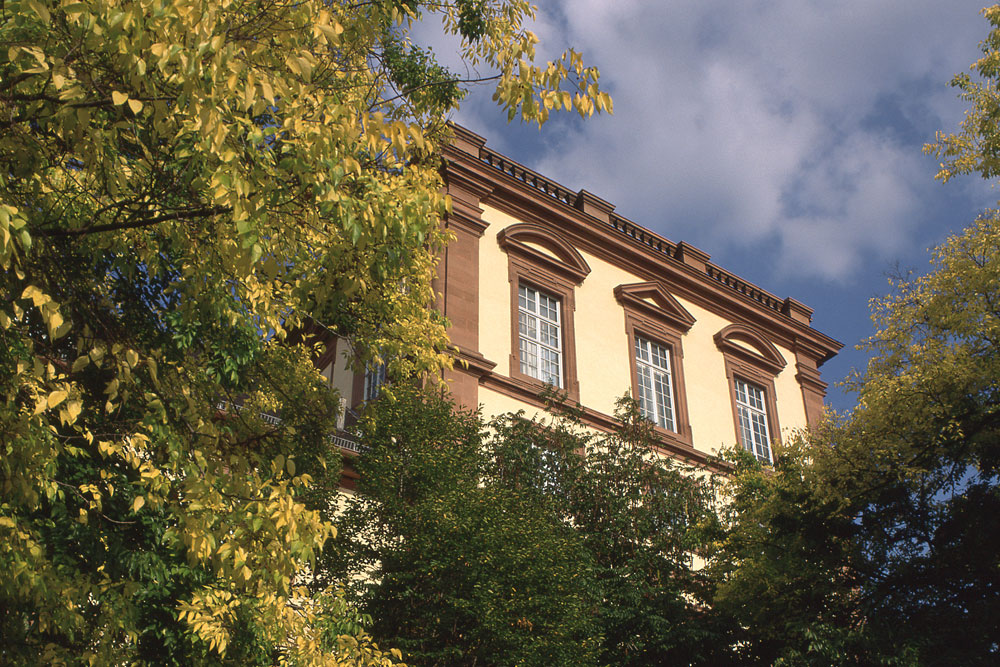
544 271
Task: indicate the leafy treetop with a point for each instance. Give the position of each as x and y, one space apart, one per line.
182 184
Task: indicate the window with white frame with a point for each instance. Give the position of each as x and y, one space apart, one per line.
540 345
653 382
374 380
751 410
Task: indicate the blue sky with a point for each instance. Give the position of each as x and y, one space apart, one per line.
783 137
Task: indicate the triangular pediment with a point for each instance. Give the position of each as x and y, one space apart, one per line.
654 299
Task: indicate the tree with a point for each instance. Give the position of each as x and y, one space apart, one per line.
974 148
452 567
788 564
644 520
873 538
528 542
183 184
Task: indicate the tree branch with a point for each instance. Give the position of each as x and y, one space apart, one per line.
14 80
143 222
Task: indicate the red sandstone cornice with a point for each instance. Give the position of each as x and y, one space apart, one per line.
592 225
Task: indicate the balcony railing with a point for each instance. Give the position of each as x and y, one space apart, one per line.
348 444
765 299
341 439
530 178
644 236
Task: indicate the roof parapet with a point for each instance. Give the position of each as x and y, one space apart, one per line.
474 145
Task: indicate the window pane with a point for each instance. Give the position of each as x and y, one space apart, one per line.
664 408
529 358
752 414
655 387
526 299
549 335
374 380
547 307
539 326
528 325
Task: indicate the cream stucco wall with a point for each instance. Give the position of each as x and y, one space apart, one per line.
494 293
601 340
495 403
602 349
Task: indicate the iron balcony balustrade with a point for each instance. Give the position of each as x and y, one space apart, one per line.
341 439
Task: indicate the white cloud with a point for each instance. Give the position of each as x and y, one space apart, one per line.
791 127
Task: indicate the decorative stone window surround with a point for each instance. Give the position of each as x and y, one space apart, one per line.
652 313
751 356
557 272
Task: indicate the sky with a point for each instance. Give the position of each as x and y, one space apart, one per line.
782 137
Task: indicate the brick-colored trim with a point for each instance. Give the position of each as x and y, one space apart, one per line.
358 389
522 270
457 281
665 324
349 475
567 262
759 370
463 380
767 356
664 308
813 388
458 287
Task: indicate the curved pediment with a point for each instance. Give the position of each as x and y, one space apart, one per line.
546 248
654 299
749 344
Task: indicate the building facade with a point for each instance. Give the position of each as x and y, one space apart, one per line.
546 289
545 286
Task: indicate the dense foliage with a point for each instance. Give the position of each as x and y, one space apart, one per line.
645 521
873 539
182 184
460 571
523 542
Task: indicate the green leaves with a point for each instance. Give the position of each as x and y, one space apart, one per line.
974 149
467 570
871 516
527 543
185 187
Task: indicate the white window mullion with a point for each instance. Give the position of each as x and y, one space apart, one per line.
540 329
654 383
751 410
